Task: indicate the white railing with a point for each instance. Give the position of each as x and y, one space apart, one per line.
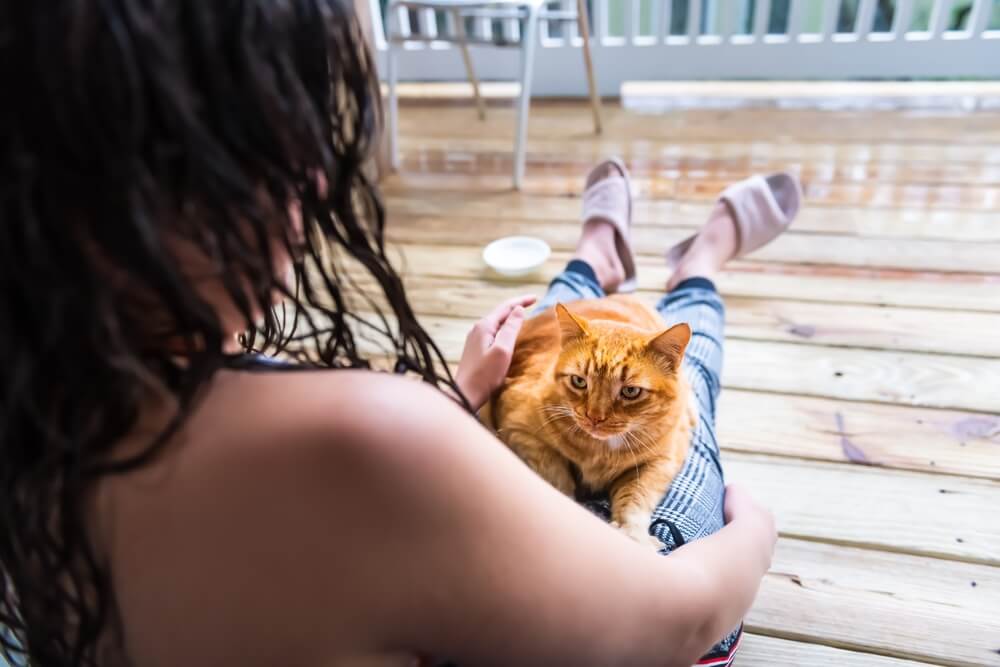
657 40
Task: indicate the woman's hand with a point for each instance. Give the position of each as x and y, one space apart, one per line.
488 350
741 507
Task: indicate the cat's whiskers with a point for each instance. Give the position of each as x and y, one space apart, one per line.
554 413
640 437
627 440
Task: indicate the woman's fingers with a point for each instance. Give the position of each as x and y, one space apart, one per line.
507 335
495 318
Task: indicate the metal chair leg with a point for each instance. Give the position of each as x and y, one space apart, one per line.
469 70
584 25
528 39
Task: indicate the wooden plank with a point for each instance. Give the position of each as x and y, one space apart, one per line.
921 608
763 651
717 165
902 329
873 561
820 162
941 135
944 225
792 247
819 90
891 436
892 510
887 435
460 172
851 162
864 375
743 279
896 378
925 514
791 425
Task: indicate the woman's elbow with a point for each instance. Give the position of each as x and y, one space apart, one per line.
705 622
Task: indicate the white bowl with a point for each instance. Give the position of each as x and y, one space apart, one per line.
516 255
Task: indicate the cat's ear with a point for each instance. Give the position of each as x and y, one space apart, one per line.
571 326
672 342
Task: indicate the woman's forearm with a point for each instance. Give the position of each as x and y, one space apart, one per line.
725 570
500 568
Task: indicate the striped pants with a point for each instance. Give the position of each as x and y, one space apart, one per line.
692 507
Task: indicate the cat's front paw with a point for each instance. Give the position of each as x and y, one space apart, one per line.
640 533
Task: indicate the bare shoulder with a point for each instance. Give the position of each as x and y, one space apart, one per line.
326 408
274 430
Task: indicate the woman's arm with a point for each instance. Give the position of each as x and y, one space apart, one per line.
465 553
326 515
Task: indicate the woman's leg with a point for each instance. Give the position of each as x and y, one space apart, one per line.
577 281
693 506
596 269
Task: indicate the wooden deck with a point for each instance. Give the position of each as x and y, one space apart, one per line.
862 380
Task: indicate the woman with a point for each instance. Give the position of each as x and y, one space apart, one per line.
169 171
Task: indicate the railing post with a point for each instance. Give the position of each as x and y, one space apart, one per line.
795 19
979 18
511 30
709 15
762 16
865 19
901 21
451 23
703 49
427 23
403 22
831 12
694 20
939 17
630 12
600 21
666 16
571 29
726 18
482 28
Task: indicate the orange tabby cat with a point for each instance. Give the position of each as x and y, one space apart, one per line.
600 388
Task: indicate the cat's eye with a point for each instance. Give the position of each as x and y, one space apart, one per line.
631 393
578 382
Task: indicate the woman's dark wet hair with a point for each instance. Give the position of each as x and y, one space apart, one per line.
126 127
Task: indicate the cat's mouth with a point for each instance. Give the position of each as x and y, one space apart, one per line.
610 434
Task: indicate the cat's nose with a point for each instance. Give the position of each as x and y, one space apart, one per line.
596 419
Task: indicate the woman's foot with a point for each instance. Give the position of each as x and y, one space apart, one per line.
714 245
748 215
597 245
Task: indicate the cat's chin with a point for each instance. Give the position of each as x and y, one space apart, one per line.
612 440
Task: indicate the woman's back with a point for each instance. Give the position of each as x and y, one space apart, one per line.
221 549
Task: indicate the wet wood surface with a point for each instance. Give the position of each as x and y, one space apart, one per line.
862 379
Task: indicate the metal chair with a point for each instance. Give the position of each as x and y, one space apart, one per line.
529 13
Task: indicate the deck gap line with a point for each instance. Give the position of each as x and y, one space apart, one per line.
893 549
847 465
818 640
